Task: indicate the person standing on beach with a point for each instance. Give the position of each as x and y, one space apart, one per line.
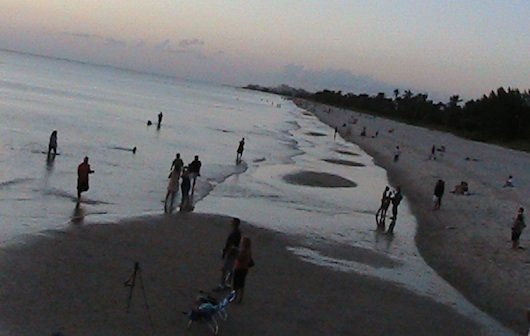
229 255
83 170
172 189
396 199
195 171
439 189
433 153
176 165
242 264
517 228
240 150
185 189
335 134
397 153
160 116
53 143
381 212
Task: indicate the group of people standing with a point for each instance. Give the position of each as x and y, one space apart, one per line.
188 176
388 198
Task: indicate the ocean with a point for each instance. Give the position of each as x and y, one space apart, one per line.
102 112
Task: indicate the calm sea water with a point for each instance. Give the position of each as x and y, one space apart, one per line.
100 112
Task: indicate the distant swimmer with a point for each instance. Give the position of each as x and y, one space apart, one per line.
83 170
160 116
240 150
53 143
195 171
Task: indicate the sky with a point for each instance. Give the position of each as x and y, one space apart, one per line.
439 47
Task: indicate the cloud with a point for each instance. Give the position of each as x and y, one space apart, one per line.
334 79
106 40
165 46
185 43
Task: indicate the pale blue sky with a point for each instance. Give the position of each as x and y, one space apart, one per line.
441 47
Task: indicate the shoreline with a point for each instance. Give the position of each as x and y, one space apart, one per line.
72 282
467 241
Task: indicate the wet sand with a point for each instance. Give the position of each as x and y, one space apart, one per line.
72 281
319 179
468 241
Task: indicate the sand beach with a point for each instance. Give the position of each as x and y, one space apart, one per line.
72 282
467 241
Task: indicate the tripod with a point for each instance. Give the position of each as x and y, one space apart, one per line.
131 283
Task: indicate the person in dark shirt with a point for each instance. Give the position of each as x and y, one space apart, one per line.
185 189
439 189
83 170
229 255
195 171
396 199
240 150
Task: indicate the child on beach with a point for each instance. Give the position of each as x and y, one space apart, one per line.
243 262
517 228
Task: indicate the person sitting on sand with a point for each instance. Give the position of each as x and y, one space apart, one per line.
229 255
397 153
53 143
240 149
461 189
83 170
509 182
517 228
242 264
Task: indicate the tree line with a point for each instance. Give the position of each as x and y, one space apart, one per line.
501 116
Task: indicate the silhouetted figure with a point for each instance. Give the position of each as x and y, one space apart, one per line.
160 116
439 189
517 228
230 252
149 122
172 189
433 153
83 170
176 165
52 146
380 216
185 189
134 150
195 171
335 134
396 199
240 150
363 133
